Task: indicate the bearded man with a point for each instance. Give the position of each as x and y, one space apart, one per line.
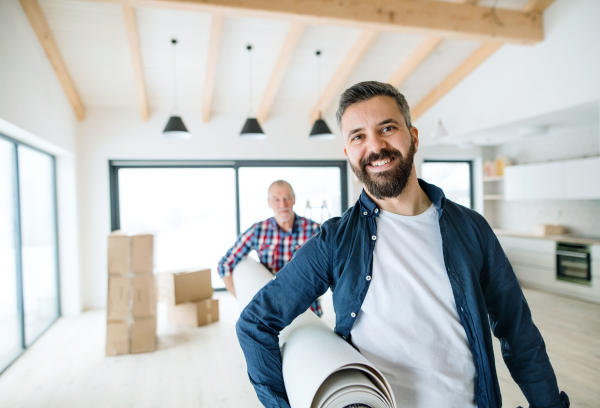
417 280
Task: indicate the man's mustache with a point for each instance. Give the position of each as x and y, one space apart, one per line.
381 155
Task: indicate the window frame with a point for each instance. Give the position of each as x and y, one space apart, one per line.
470 163
115 165
19 243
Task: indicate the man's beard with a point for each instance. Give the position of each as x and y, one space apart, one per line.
388 183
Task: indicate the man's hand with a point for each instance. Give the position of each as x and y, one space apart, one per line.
228 281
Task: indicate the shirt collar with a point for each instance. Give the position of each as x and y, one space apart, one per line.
435 194
295 227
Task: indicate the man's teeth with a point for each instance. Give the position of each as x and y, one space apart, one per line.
380 163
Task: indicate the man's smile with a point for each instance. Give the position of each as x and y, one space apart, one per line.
381 165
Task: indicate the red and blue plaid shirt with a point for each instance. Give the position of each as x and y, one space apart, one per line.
274 247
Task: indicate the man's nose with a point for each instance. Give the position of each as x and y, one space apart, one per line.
375 143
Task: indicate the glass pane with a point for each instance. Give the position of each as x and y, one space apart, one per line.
10 325
452 177
319 187
38 237
191 211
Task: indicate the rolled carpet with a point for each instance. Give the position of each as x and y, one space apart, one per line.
320 370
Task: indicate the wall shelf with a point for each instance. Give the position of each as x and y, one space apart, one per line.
492 178
493 197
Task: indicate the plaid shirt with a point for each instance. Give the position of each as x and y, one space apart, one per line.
275 247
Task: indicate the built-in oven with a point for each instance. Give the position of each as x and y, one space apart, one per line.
573 263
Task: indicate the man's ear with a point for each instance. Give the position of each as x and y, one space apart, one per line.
345 152
414 132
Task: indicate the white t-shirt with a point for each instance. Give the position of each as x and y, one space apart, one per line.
408 326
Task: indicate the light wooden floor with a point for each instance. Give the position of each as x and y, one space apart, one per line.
204 367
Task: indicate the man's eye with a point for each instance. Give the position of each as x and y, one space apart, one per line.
357 137
387 128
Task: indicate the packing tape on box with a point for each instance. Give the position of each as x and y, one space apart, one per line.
320 370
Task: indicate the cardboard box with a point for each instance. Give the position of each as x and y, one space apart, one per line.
195 313
183 286
117 305
143 335
143 296
549 229
117 338
119 253
142 253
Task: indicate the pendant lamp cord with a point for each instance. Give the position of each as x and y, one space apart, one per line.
318 54
174 41
249 48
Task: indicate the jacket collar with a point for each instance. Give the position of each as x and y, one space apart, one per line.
435 194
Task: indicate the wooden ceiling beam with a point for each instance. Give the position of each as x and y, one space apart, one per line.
432 18
420 54
42 30
136 59
469 65
455 77
358 49
211 67
285 57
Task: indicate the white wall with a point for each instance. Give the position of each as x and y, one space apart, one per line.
117 134
35 111
519 82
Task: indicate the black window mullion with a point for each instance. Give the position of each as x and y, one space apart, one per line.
237 201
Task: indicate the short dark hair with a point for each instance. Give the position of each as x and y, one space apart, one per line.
367 90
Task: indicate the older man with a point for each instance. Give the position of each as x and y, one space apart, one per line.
275 240
417 280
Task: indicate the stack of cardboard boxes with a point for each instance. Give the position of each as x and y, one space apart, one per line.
187 294
131 306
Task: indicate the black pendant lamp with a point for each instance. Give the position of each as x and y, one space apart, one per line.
175 128
320 130
251 129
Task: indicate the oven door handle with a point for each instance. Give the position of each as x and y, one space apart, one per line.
573 254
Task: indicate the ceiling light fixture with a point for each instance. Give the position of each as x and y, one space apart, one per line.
320 130
251 129
175 128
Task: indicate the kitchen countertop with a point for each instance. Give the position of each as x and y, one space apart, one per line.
569 238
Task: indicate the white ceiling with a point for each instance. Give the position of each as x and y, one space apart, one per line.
92 39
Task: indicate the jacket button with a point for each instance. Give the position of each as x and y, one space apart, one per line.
368 278
373 237
376 210
365 213
353 314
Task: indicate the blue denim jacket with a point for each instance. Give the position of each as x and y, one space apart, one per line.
340 256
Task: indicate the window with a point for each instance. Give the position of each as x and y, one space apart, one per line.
191 212
317 189
29 295
196 209
455 177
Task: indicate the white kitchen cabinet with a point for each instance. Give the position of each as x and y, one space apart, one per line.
582 179
542 181
543 246
562 180
538 277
